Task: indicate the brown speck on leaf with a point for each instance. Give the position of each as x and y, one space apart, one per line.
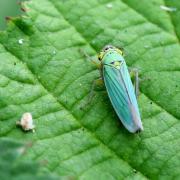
8 18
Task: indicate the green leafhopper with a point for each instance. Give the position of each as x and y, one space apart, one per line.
119 87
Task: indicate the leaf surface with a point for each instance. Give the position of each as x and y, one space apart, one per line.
43 71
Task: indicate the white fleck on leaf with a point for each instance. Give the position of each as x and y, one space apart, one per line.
54 52
20 41
146 46
109 5
166 8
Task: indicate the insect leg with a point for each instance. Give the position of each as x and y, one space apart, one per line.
97 83
135 74
96 63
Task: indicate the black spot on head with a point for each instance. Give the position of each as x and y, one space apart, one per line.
107 47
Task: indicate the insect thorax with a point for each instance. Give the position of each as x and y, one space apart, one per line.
113 58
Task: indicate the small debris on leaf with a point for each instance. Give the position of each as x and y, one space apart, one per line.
8 18
166 8
146 46
20 41
26 122
21 150
109 5
54 52
23 9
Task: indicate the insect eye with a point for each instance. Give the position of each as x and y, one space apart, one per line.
100 56
112 62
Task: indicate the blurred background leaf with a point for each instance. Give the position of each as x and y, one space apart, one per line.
8 8
13 167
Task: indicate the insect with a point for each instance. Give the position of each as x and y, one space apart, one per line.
119 87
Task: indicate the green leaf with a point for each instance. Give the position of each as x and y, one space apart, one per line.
11 165
43 71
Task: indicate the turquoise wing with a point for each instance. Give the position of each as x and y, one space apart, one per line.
122 96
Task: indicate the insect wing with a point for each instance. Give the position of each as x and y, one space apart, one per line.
122 96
